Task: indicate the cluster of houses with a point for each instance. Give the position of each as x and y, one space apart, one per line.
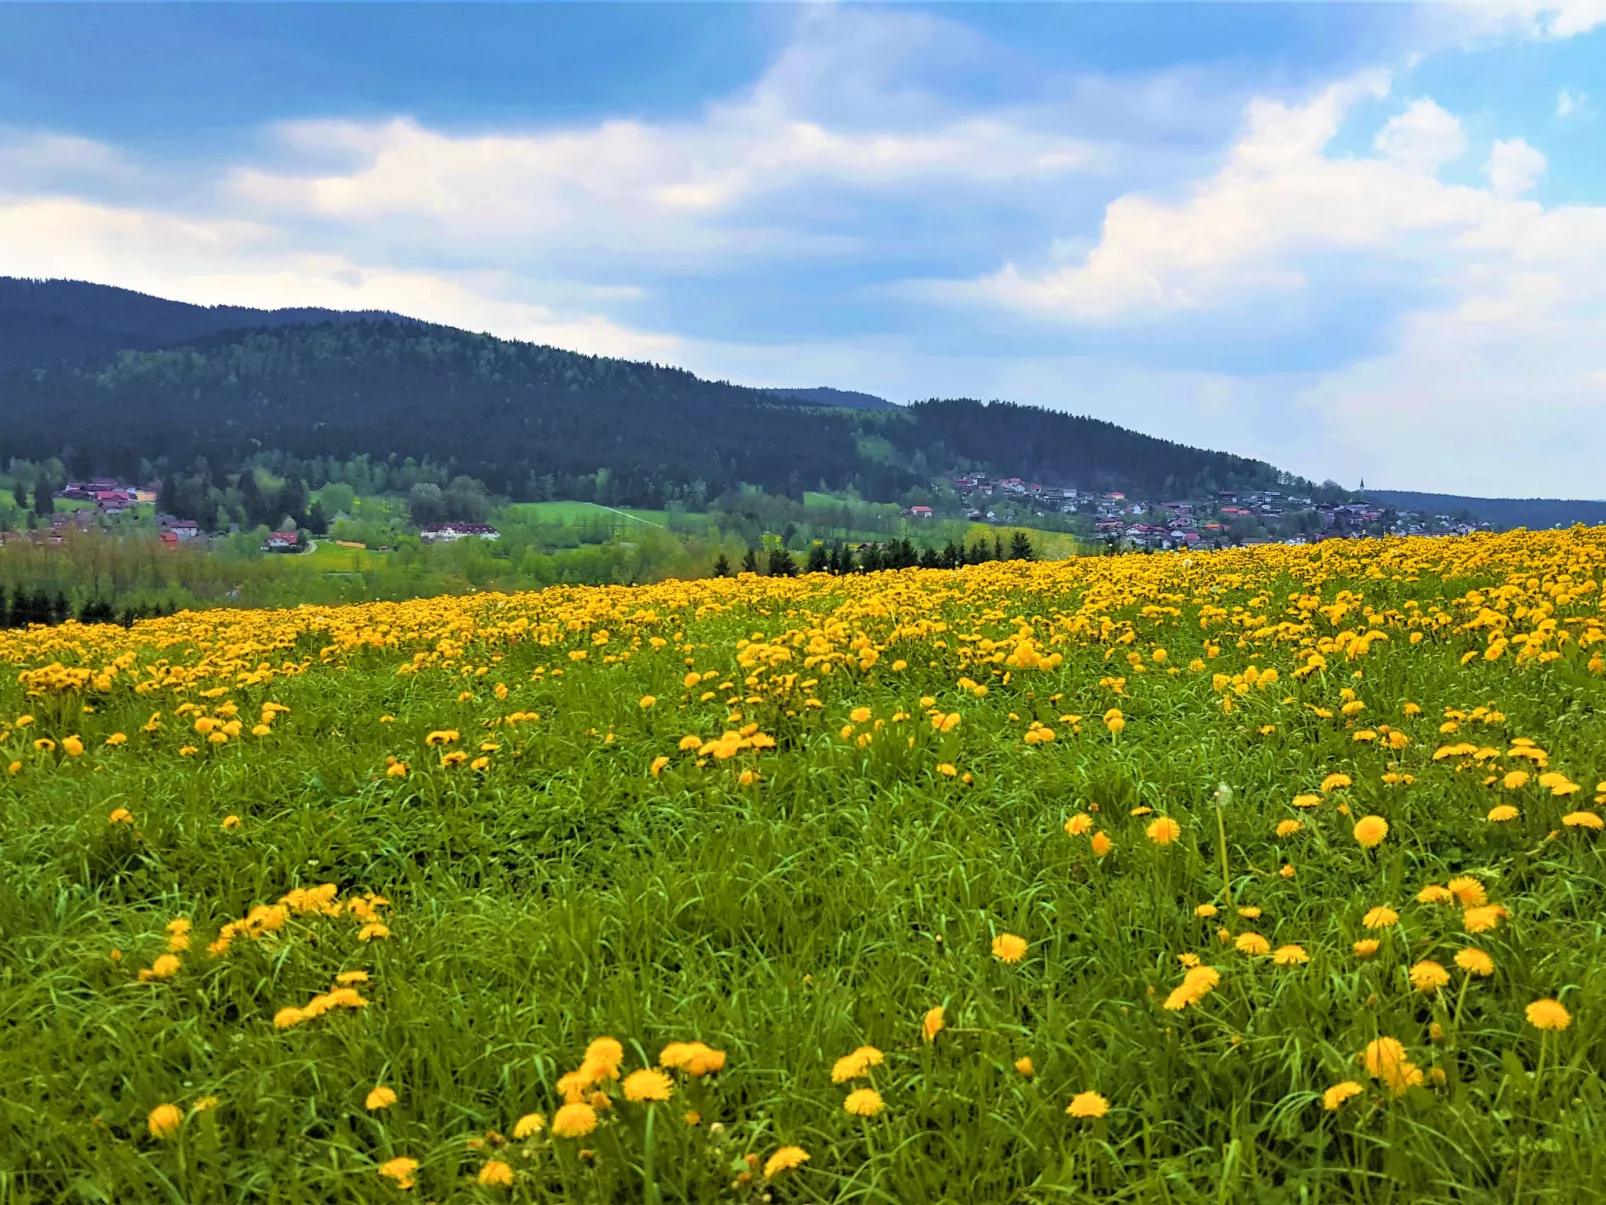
448 533
1227 516
110 496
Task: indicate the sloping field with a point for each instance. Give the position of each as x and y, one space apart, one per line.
1267 875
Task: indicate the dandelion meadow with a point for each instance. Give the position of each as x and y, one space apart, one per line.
1263 875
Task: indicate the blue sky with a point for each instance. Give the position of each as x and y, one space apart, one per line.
1360 240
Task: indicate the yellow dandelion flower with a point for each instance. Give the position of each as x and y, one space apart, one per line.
574 1121
650 1085
380 1098
788 1158
1548 1014
1338 1094
1009 948
1381 918
864 1102
1474 962
1370 830
1088 1106
164 1121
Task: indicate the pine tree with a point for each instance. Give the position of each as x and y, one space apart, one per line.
1020 548
20 493
722 566
317 524
819 560
750 562
43 503
167 497
781 563
252 501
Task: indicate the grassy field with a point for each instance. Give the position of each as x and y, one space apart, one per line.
1270 875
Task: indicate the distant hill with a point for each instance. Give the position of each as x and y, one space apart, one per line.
825 396
1501 513
44 323
115 382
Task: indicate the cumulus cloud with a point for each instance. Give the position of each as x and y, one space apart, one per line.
1423 138
1514 167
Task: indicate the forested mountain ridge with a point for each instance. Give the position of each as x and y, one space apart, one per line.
527 420
44 323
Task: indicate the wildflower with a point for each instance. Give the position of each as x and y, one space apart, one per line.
864 1102
120 816
530 1123
1163 831
1366 947
373 931
164 1121
1428 977
205 1103
1482 920
1370 831
932 1024
1114 720
651 1085
1287 956
1287 871
852 1066
1249 912
1338 1094
658 764
1503 812
1252 944
1434 894
231 822
1381 918
1025 1067
695 1059
574 1121
287 1018
788 1158
1009 948
646 702
380 1098
1287 828
1335 782
1307 801
947 769
165 967
1088 1105
444 736
1582 820
1205 911
72 746
1101 844
860 715
1475 962
1548 1014
400 1170
496 1174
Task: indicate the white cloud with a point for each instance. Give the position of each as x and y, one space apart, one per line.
232 262
1555 19
1423 138
1514 167
1571 103
1277 197
843 109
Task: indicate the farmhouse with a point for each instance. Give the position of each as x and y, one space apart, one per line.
446 533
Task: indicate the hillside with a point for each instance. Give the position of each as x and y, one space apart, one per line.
527 420
44 323
826 396
1500 513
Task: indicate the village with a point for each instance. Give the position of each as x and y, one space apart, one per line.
1224 518
1111 519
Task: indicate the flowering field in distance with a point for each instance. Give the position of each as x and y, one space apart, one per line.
1267 875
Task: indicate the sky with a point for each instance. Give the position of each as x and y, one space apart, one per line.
1360 241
